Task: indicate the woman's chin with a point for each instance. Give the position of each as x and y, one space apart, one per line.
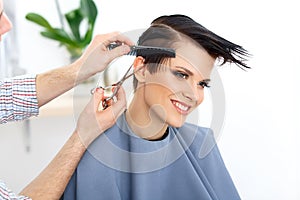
177 123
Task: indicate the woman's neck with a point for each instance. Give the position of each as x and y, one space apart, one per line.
144 122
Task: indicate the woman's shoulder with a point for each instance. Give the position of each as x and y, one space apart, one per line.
199 131
203 140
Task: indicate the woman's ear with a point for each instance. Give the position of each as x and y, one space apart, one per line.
139 68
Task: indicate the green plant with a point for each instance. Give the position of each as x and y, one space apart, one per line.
74 39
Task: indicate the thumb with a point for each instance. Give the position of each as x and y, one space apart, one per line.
120 105
97 98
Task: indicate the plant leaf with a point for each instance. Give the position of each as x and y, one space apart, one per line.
73 48
38 19
88 36
59 35
74 18
89 9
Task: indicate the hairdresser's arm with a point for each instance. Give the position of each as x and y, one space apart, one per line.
95 59
51 183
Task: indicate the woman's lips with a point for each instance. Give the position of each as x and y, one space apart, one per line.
182 108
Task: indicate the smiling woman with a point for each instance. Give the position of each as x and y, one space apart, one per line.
152 150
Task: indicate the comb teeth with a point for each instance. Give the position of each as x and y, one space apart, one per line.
146 50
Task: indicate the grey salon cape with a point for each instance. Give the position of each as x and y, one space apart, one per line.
185 165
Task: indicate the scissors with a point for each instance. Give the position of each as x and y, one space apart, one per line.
117 85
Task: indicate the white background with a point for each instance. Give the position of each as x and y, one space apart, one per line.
260 138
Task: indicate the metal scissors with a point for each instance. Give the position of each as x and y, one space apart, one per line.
117 85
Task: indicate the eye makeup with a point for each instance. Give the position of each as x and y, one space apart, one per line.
204 83
183 73
180 74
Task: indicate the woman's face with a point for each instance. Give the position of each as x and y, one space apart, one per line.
5 24
178 88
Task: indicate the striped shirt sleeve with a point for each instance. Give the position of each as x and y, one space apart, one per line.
7 194
18 98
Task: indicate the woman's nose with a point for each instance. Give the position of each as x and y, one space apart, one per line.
193 93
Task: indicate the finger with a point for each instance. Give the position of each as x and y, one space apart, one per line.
120 104
117 37
117 52
98 97
101 38
121 93
124 39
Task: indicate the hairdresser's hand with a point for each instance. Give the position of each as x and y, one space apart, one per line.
92 122
96 57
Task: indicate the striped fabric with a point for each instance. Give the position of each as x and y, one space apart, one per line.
6 194
18 99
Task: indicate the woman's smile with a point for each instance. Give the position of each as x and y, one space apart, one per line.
181 107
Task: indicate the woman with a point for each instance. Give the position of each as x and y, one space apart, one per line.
151 153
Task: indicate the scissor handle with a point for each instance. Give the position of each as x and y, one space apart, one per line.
116 89
104 103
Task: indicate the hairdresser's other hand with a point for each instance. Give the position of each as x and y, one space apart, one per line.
96 57
92 122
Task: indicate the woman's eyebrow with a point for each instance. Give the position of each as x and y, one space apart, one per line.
186 70
191 73
206 80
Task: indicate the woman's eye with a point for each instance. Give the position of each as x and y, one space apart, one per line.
203 84
181 74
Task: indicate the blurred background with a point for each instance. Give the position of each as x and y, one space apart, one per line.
260 135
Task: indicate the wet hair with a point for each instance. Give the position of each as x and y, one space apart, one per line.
166 31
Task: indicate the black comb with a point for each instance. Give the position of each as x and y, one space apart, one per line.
146 50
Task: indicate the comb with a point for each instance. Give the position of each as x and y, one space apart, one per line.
146 50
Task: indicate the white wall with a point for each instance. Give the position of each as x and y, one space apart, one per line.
260 138
23 157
